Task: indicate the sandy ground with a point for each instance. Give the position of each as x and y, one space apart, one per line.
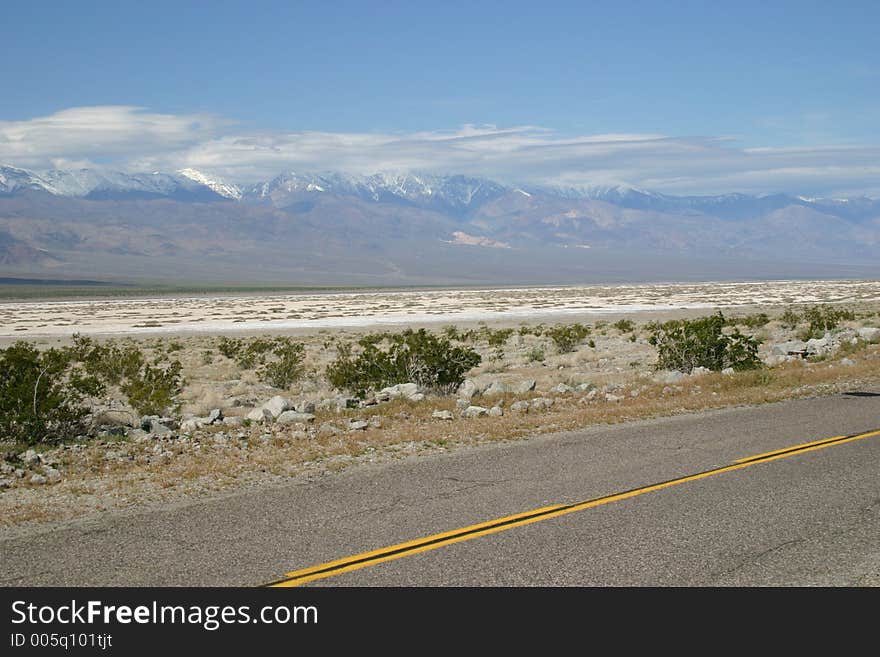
309 312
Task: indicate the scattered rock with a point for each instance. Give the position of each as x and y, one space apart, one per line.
38 479
215 416
114 417
563 388
540 404
496 411
358 425
496 388
847 361
260 415
417 397
592 394
869 333
584 387
6 482
462 404
188 426
293 417
276 406
399 390
612 398
520 406
700 371
305 407
475 411
376 422
525 386
29 457
5 468
668 376
468 389
233 421
442 415
790 348
727 371
52 474
327 429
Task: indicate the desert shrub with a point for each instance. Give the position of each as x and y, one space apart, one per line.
535 355
567 336
411 356
287 366
537 330
822 319
756 320
685 344
625 325
790 318
496 338
41 394
152 390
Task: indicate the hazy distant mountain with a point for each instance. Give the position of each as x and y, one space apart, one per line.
414 228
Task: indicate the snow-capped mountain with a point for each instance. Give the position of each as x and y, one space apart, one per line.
224 189
454 195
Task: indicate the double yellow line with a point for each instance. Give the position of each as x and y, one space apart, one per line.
470 532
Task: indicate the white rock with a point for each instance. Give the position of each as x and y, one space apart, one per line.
327 429
416 397
496 388
668 376
442 415
727 371
496 411
563 388
29 457
526 386
584 387
475 411
233 421
869 333
520 406
790 348
468 389
612 398
847 361
215 416
305 407
399 390
700 371
52 474
276 406
260 415
462 404
293 417
540 404
358 425
38 479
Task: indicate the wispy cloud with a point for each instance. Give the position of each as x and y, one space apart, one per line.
135 139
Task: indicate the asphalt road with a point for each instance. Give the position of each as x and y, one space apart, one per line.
810 517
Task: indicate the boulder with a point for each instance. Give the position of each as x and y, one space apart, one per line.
327 429
399 390
294 417
276 406
668 376
259 415
52 474
29 457
215 416
496 411
612 398
869 333
38 479
468 389
525 386
475 411
442 415
789 348
727 371
233 421
115 417
358 425
563 389
416 397
305 407
520 407
700 371
462 404
584 387
495 388
540 404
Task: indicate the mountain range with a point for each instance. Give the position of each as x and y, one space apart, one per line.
415 228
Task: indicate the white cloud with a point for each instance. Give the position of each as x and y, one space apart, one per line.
135 139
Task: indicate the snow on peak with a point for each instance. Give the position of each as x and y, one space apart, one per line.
216 185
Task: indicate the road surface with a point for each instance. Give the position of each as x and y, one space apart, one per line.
696 500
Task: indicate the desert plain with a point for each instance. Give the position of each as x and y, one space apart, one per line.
217 440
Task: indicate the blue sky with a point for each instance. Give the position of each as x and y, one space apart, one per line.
734 90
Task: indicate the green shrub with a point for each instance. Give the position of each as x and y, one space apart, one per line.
40 395
685 344
790 318
151 391
822 319
625 325
287 366
535 355
753 321
411 356
567 336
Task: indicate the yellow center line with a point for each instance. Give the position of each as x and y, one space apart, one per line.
435 541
